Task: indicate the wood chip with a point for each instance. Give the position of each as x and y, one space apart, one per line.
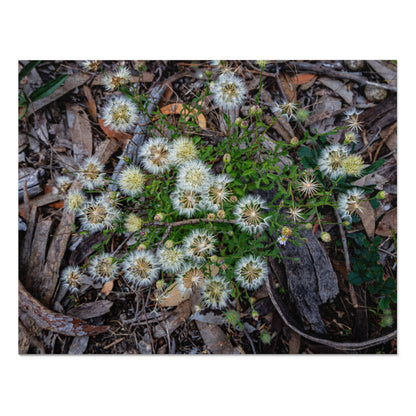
91 309
80 130
79 345
173 296
339 87
294 342
90 105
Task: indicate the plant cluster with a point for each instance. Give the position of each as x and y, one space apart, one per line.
194 208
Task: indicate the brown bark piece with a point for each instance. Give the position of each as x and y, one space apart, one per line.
181 314
90 105
80 130
37 257
91 309
53 321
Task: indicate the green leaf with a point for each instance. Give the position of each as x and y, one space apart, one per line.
373 167
384 303
48 89
27 68
304 151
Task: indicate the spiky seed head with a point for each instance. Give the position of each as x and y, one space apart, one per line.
155 155
251 272
302 114
114 80
171 259
217 192
141 268
308 186
215 292
331 159
74 201
194 176
98 214
186 202
92 66
183 150
120 114
349 203
249 214
103 268
71 278
133 223
131 181
199 245
229 91
63 183
262 63
352 122
287 231
350 137
295 214
287 109
190 278
91 173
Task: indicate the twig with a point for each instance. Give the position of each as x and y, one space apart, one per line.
347 259
319 69
187 222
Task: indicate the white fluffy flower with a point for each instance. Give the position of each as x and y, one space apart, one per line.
131 180
71 278
349 203
215 292
171 259
103 268
193 176
98 214
183 150
114 80
229 91
331 160
250 216
155 155
120 114
140 268
186 202
91 173
218 192
190 277
199 244
251 272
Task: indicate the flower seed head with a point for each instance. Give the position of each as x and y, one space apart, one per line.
71 278
103 268
133 223
140 268
114 80
91 173
331 159
249 214
194 176
131 181
120 114
171 259
353 165
186 202
190 278
74 201
98 214
199 245
229 91
251 272
215 292
155 155
325 237
183 150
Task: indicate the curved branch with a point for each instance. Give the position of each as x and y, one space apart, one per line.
343 346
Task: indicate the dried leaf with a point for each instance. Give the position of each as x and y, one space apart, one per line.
388 224
300 79
90 105
339 88
368 218
107 287
91 309
121 136
289 87
180 315
178 109
173 296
